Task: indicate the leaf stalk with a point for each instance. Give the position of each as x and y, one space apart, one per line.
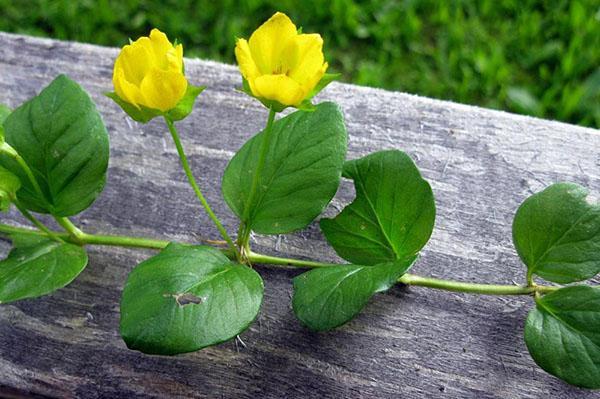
188 171
245 230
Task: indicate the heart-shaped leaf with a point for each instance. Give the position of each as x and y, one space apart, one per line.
38 266
302 173
557 234
186 298
61 136
328 297
562 334
392 215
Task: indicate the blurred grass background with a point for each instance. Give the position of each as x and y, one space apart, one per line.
540 58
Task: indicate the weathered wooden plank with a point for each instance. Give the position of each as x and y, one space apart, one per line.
409 343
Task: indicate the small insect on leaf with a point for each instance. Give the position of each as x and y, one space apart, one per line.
186 298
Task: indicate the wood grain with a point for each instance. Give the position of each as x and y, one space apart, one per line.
409 343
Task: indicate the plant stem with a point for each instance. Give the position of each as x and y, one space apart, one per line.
74 232
408 279
192 181
92 239
244 230
275 260
412 279
474 288
36 222
125 241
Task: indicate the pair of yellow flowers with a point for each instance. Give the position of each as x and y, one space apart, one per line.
280 67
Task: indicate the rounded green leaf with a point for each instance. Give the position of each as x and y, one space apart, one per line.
38 266
557 234
562 334
328 297
186 298
61 136
392 216
301 175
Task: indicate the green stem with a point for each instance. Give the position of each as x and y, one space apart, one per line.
124 241
36 222
76 234
408 279
412 279
530 281
275 260
192 181
244 230
474 288
92 239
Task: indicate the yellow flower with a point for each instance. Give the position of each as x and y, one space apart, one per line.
280 64
149 73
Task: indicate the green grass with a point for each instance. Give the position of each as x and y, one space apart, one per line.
540 58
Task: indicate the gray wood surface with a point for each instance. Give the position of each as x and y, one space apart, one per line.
409 342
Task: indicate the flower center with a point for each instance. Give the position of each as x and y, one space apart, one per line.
281 70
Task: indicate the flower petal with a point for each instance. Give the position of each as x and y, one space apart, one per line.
243 55
279 88
175 58
160 47
269 40
310 84
311 63
136 60
162 90
128 92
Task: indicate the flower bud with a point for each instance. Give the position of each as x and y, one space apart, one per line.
149 73
280 66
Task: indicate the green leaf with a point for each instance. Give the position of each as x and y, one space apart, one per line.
392 215
562 334
328 297
9 185
301 175
557 234
187 298
61 136
186 104
38 266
